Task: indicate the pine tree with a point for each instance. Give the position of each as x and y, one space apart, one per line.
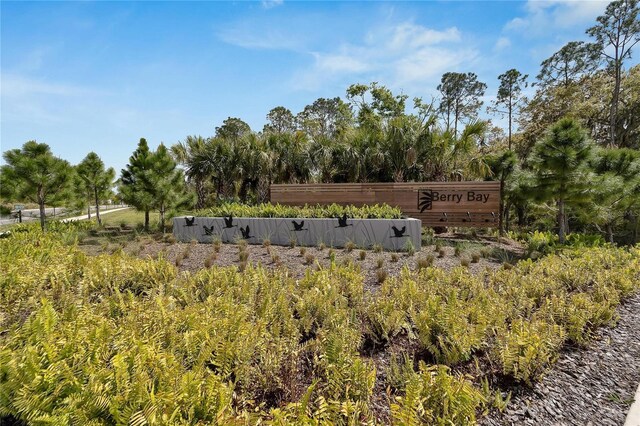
168 184
135 187
96 181
33 173
560 164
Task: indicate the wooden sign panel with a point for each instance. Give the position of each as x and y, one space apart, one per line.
473 204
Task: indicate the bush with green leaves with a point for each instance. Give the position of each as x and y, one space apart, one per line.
434 396
377 211
112 339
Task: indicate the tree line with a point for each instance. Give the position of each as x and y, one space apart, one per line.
567 158
151 181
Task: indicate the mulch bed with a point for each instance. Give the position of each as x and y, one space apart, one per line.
587 386
291 258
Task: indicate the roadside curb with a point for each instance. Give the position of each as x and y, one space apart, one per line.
633 416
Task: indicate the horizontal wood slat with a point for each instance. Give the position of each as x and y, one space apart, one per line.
473 204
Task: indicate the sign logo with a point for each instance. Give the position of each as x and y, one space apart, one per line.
425 200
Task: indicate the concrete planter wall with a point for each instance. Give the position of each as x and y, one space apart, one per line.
306 232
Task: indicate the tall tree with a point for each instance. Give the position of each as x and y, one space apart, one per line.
280 120
33 173
617 32
565 67
96 180
617 188
167 182
502 165
560 165
232 128
134 186
325 118
509 96
460 97
199 158
375 105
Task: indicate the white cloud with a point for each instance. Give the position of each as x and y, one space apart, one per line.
405 55
341 63
244 36
268 4
429 63
547 17
409 35
27 100
502 43
14 86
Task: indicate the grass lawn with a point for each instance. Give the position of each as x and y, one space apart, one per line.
130 216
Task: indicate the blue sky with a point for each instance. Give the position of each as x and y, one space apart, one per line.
85 76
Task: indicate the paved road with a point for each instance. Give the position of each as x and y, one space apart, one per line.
85 216
29 215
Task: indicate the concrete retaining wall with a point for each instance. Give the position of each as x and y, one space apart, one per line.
306 232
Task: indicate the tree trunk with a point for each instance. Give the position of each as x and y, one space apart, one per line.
200 192
501 212
613 120
42 214
89 211
162 219
509 125
610 233
507 216
520 211
561 221
95 193
146 220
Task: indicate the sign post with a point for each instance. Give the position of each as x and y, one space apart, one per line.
19 208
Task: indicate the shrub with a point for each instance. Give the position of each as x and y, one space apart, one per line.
409 248
377 248
475 258
425 262
208 263
434 396
243 256
395 257
379 263
528 348
449 329
266 242
400 371
303 251
441 253
308 259
378 211
225 346
331 255
349 246
362 255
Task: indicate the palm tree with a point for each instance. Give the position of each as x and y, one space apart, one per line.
199 164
